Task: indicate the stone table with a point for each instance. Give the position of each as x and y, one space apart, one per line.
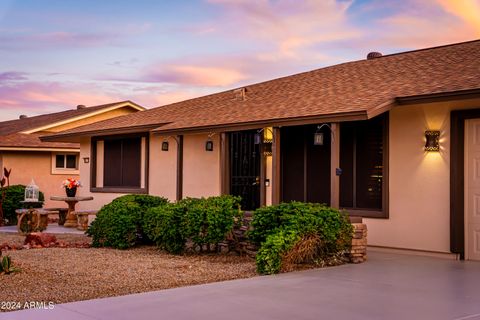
71 221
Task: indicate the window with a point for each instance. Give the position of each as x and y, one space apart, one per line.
122 162
363 154
63 163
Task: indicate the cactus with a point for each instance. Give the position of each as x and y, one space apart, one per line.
6 266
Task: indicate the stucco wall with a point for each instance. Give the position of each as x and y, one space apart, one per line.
419 194
201 168
163 168
36 165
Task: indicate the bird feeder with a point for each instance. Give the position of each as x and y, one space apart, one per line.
31 192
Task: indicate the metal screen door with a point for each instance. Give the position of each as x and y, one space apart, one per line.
245 168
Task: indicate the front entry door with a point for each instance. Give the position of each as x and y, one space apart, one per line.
472 189
245 168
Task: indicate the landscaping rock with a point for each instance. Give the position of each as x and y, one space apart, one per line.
39 239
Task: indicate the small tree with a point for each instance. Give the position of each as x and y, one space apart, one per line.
5 181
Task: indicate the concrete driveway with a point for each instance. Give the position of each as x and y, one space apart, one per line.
388 286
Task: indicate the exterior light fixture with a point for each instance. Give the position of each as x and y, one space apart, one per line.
432 140
209 145
86 160
257 139
318 138
165 146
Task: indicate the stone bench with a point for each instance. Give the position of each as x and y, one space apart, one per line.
42 216
62 214
82 218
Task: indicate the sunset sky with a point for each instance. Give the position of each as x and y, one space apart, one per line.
56 54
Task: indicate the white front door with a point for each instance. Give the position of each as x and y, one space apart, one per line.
472 189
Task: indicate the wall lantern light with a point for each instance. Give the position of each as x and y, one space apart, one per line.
318 138
432 140
257 139
165 146
209 145
86 160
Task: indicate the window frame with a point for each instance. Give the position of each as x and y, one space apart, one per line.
384 212
126 190
64 169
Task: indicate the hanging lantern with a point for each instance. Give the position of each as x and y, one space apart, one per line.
31 192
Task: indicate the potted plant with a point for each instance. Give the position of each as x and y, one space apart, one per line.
71 185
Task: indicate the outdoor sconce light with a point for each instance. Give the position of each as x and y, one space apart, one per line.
165 146
209 145
86 160
432 140
257 139
318 138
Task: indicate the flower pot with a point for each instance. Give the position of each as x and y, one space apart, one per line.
71 192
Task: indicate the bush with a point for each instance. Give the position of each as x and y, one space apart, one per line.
205 221
164 226
119 224
14 195
277 229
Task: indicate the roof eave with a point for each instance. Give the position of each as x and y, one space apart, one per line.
76 137
338 117
439 97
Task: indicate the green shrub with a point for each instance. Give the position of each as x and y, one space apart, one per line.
119 224
208 221
269 256
164 225
205 221
274 227
14 195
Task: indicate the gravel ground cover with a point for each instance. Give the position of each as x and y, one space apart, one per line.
62 275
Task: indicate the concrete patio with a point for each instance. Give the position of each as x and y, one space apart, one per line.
388 286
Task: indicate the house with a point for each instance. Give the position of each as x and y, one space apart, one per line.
394 139
49 163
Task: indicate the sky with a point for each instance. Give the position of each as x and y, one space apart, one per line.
57 54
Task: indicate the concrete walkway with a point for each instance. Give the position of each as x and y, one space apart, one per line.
388 286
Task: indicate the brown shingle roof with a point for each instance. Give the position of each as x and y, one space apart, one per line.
11 136
361 87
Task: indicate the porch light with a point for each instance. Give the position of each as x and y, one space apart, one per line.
257 139
318 138
165 146
432 140
209 145
31 192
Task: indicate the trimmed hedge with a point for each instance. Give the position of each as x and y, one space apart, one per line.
14 195
205 221
119 224
277 229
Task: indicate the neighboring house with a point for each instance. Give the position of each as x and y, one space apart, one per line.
48 163
351 135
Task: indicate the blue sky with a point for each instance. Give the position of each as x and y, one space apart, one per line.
55 55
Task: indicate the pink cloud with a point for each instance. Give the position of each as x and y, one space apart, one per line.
290 28
12 76
195 75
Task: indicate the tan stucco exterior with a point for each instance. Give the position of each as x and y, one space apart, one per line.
201 168
163 167
38 166
419 181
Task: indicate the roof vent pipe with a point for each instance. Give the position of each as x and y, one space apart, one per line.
23 116
81 106
373 55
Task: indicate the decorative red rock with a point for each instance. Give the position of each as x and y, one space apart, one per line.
37 239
